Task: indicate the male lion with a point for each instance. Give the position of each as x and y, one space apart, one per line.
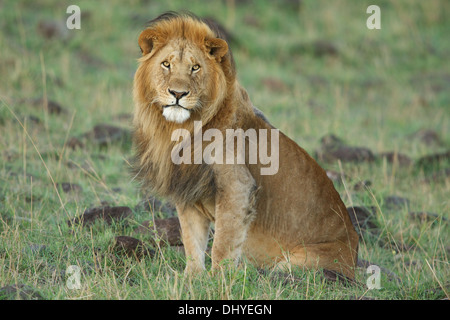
187 75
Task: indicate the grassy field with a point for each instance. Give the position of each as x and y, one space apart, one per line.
314 69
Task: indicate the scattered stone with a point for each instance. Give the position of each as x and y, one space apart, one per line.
106 213
53 29
348 154
32 119
51 106
75 143
318 48
168 230
395 202
19 292
333 149
154 205
331 141
104 134
433 159
69 187
362 219
395 157
131 247
362 185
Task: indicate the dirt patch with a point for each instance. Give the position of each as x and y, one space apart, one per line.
362 218
68 187
131 247
104 134
333 149
106 213
397 158
168 230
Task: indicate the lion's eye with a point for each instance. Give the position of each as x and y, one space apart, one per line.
166 64
195 67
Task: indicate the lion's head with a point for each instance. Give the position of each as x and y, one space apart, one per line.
184 69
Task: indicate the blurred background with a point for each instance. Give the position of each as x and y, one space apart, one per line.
312 66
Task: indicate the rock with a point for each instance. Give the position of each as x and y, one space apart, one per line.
104 134
168 230
69 187
362 218
131 247
318 48
20 292
106 213
433 159
75 143
348 154
362 185
331 141
51 106
53 29
395 157
395 202
333 149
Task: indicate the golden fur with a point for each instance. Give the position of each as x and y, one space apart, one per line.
294 216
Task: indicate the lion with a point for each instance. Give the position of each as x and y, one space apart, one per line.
294 216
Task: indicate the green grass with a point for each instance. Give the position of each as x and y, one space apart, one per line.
376 90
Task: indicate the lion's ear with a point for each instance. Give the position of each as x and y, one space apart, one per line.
217 48
147 41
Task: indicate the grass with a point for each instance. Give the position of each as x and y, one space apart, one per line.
372 88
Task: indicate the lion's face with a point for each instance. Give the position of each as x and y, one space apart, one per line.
181 75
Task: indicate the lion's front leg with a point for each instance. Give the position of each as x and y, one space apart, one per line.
194 231
234 211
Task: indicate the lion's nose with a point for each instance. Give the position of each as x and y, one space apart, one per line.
178 95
